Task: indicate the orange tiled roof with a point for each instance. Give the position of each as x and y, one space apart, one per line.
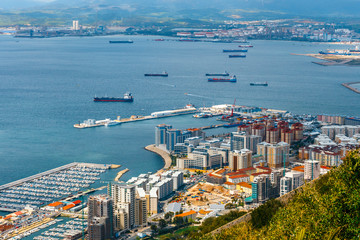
185 214
239 176
55 204
203 212
229 183
244 184
325 167
67 207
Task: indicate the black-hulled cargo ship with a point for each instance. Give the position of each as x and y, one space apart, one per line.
235 50
259 84
237 56
127 98
164 74
122 41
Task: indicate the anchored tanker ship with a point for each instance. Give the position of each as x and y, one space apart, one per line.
127 98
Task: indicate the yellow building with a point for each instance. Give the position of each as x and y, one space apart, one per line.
244 187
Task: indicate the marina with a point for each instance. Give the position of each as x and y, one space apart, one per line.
46 187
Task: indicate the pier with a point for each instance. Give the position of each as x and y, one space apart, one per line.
347 85
155 115
119 175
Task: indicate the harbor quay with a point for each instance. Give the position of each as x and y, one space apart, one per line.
189 109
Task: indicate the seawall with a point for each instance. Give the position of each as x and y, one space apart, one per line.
164 155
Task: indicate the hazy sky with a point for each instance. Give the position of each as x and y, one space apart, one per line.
302 7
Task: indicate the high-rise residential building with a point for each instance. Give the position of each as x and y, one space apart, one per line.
275 177
278 155
272 135
262 150
298 130
124 203
311 169
287 135
261 189
223 152
173 136
285 185
76 26
237 141
291 181
240 159
100 217
252 142
259 130
245 128
241 140
160 134
140 208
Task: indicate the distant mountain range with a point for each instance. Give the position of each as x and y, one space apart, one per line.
88 11
296 7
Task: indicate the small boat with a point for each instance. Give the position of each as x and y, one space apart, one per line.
217 74
122 41
202 115
237 56
235 50
127 98
246 46
259 84
164 74
232 79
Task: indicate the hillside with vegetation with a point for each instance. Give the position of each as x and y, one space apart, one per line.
327 208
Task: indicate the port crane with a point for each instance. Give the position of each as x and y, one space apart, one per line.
224 117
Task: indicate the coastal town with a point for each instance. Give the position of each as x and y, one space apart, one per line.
282 29
262 154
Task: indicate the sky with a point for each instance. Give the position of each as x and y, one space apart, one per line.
301 7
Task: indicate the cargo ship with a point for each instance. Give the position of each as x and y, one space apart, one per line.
246 46
127 98
235 50
237 56
233 124
259 84
164 74
232 79
217 74
122 41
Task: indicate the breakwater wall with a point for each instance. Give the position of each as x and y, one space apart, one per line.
348 85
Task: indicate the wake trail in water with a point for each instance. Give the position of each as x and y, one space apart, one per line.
195 95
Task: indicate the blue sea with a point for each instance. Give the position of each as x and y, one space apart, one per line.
47 85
